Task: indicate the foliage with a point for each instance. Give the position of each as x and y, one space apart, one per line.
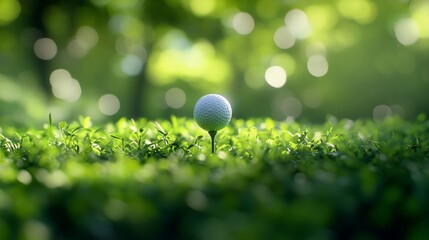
136 179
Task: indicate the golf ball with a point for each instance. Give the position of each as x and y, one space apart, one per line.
212 112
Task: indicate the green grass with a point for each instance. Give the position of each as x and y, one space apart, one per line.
267 180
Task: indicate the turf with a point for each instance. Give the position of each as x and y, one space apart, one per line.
140 179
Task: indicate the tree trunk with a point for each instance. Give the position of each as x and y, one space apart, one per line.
141 88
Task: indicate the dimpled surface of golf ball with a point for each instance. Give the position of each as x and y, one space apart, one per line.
212 112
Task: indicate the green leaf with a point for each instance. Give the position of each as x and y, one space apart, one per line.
159 128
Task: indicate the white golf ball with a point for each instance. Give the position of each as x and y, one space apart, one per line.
212 112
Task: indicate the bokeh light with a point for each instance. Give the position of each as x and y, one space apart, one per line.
406 31
175 98
64 86
34 229
381 112
125 46
313 98
115 209
52 179
85 39
24 177
420 11
317 65
275 76
362 11
45 48
132 65
297 22
196 200
202 7
292 107
87 36
243 23
109 104
287 106
127 25
9 11
283 38
322 18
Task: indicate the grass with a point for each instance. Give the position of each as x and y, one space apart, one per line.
136 179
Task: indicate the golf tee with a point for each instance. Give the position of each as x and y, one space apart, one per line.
212 135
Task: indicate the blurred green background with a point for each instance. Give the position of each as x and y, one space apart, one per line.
270 58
